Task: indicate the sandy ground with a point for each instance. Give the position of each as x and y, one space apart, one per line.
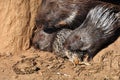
103 67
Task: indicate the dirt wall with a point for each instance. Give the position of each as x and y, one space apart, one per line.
16 24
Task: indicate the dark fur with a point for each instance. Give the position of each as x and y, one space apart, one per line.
52 12
99 26
112 1
43 40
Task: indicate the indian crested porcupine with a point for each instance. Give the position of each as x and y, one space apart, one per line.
54 15
98 28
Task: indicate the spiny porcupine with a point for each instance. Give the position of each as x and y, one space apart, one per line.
98 28
59 40
64 13
55 15
42 40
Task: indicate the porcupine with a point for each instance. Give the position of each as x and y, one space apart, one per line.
98 28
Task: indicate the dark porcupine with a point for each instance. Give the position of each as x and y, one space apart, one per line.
98 28
58 44
42 40
54 15
64 13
